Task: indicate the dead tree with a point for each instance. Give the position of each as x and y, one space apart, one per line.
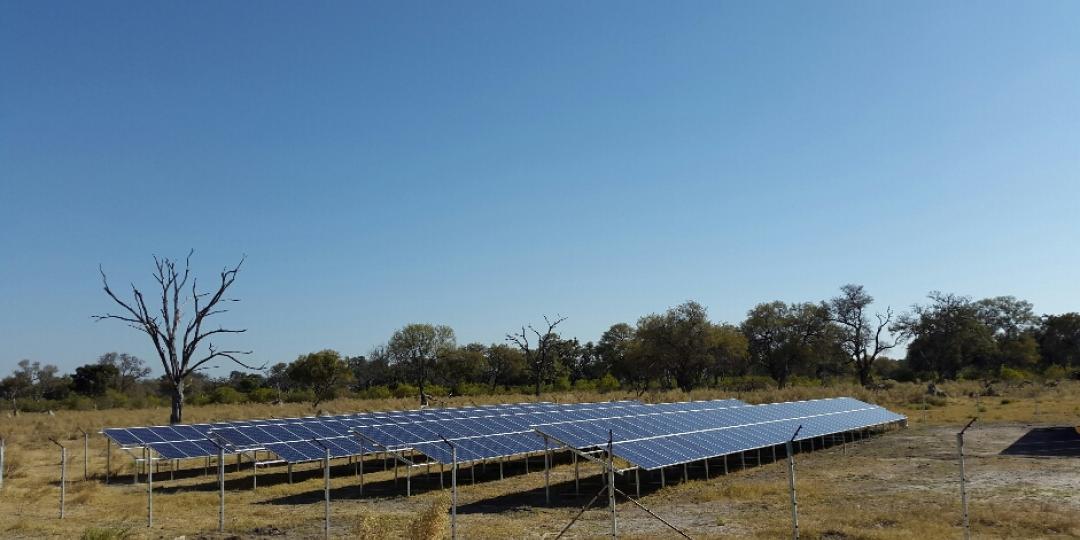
178 344
539 358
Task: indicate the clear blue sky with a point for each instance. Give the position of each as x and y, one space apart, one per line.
481 164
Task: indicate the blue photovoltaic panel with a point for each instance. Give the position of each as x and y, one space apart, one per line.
486 436
293 439
656 440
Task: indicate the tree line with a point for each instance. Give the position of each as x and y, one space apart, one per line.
777 343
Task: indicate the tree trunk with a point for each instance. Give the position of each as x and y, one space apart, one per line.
423 396
538 378
177 414
864 374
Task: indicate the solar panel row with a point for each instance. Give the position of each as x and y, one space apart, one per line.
656 440
507 435
180 441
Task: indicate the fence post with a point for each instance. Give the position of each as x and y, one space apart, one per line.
611 484
963 478
149 487
3 444
453 488
63 474
326 490
791 485
221 488
86 454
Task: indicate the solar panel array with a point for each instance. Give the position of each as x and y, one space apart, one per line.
499 434
671 437
180 441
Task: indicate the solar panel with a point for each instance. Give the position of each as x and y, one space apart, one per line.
292 440
673 436
503 435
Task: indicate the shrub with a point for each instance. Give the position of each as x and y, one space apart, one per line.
375 392
584 385
607 383
227 395
403 390
1055 373
435 390
561 384
970 373
299 396
748 383
262 395
471 389
1009 374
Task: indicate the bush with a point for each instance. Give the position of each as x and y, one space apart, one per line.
404 390
970 373
1009 374
227 395
375 392
584 385
1055 373
748 383
299 396
561 384
471 389
607 383
435 391
262 395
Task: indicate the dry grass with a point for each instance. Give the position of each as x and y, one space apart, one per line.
901 485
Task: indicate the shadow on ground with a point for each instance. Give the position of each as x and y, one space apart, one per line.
1047 442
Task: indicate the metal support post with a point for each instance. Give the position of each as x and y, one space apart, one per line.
547 472
149 487
577 479
791 486
3 445
408 480
662 482
685 472
63 475
637 482
221 488
453 488
501 461
611 485
85 455
254 475
108 459
725 465
774 453
742 456
963 478
289 468
326 492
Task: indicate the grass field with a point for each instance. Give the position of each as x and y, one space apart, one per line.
902 484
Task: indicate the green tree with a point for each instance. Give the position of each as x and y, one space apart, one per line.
460 365
863 340
130 369
784 338
947 335
418 346
94 379
323 372
682 343
1059 339
503 365
730 352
